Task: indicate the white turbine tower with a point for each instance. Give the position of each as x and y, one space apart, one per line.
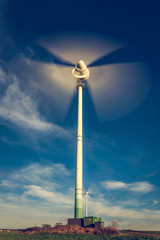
86 204
80 73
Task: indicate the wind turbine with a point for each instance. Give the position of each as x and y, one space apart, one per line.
80 72
86 204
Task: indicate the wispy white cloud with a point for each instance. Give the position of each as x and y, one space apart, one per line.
54 197
11 142
114 185
155 202
7 183
138 187
131 202
52 83
21 109
153 173
37 173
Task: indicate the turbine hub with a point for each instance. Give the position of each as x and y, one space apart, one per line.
80 73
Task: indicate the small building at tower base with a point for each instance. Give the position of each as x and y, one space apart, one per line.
94 222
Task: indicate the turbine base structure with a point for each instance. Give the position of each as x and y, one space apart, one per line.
87 222
75 221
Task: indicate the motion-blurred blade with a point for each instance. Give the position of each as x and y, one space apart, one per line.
52 85
125 54
94 190
79 45
38 53
118 89
89 191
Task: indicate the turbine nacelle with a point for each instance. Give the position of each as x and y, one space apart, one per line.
80 73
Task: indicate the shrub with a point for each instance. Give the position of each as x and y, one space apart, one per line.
110 231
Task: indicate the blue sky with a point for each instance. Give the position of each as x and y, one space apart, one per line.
38 111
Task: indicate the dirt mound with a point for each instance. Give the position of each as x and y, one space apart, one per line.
71 229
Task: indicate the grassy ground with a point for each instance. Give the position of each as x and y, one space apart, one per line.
43 236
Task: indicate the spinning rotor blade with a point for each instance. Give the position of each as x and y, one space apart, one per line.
88 191
55 91
119 89
38 53
125 54
116 89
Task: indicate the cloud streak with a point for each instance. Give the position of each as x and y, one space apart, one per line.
36 174
19 108
53 197
137 187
